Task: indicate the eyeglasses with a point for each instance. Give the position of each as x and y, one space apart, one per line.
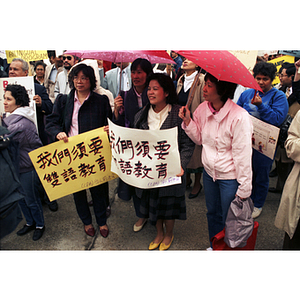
67 57
80 78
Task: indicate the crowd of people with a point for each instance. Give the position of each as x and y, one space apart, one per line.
73 96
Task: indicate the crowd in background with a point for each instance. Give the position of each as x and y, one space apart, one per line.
73 96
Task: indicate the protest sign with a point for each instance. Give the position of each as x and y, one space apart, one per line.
246 57
83 162
278 63
268 52
295 53
27 55
145 158
265 137
27 82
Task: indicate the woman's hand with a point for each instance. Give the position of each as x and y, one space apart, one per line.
185 115
106 129
118 101
256 100
181 173
62 136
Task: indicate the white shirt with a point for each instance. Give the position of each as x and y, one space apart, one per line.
53 74
155 120
125 83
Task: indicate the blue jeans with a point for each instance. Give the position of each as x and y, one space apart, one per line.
218 196
31 205
261 166
100 195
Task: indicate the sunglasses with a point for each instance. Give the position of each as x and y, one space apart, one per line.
67 57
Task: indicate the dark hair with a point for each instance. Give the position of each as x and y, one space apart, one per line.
290 68
51 53
87 71
39 63
19 93
224 88
167 84
144 64
266 69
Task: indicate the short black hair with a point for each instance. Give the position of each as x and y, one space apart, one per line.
167 84
39 63
290 68
144 64
265 68
51 53
87 71
224 88
19 93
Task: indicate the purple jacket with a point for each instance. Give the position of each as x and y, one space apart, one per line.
20 123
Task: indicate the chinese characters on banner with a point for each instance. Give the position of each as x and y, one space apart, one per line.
83 162
264 137
27 82
145 159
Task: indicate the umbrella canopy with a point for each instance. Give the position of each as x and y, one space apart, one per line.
223 65
154 56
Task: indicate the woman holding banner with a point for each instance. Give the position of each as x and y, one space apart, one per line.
224 130
80 111
127 104
163 205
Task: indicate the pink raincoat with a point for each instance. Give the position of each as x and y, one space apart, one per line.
226 138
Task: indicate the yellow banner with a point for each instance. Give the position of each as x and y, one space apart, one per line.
278 63
28 55
83 162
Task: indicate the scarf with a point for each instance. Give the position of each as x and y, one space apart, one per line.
188 81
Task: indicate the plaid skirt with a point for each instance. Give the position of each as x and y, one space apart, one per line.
166 208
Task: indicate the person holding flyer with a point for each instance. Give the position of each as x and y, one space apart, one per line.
270 106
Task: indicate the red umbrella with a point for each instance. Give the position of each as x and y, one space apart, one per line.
223 65
154 56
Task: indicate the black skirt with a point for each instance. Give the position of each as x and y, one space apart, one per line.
165 208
